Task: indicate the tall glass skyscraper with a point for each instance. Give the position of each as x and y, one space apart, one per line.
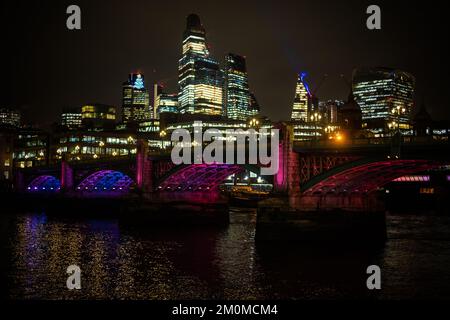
135 100
200 77
385 97
301 100
237 94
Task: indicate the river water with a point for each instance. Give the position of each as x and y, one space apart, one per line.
120 261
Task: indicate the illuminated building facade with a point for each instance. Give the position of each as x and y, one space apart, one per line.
31 148
135 100
306 131
98 116
10 117
71 119
85 145
164 102
301 100
200 78
236 93
379 91
6 158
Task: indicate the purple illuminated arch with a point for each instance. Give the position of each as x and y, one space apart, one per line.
106 180
198 177
44 184
365 178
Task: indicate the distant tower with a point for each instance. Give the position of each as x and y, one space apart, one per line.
135 100
237 94
301 100
200 78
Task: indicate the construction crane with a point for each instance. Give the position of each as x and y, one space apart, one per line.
312 95
348 83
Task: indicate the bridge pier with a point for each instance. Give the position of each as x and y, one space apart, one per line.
66 175
144 168
287 180
19 181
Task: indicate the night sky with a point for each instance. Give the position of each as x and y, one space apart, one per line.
47 67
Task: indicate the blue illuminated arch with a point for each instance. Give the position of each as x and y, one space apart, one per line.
106 180
44 184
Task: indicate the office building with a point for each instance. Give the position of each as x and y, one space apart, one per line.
385 97
301 100
71 118
236 93
200 78
135 100
10 117
98 116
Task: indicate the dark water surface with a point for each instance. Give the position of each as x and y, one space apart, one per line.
121 261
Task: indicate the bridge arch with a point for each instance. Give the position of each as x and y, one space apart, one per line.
44 183
364 176
200 177
106 181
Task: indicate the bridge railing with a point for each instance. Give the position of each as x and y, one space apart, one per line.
379 141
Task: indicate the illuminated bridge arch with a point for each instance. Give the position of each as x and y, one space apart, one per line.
364 176
200 177
44 183
106 180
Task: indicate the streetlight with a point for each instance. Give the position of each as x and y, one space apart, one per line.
162 134
397 112
254 122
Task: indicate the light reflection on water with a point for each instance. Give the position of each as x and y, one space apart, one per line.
120 261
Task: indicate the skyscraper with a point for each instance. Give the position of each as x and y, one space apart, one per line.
385 97
237 94
135 100
301 100
200 78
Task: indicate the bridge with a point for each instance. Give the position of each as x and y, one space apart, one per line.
318 174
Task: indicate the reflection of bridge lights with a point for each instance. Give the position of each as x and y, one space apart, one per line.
114 154
95 156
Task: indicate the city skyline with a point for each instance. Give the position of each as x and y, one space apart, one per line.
275 97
